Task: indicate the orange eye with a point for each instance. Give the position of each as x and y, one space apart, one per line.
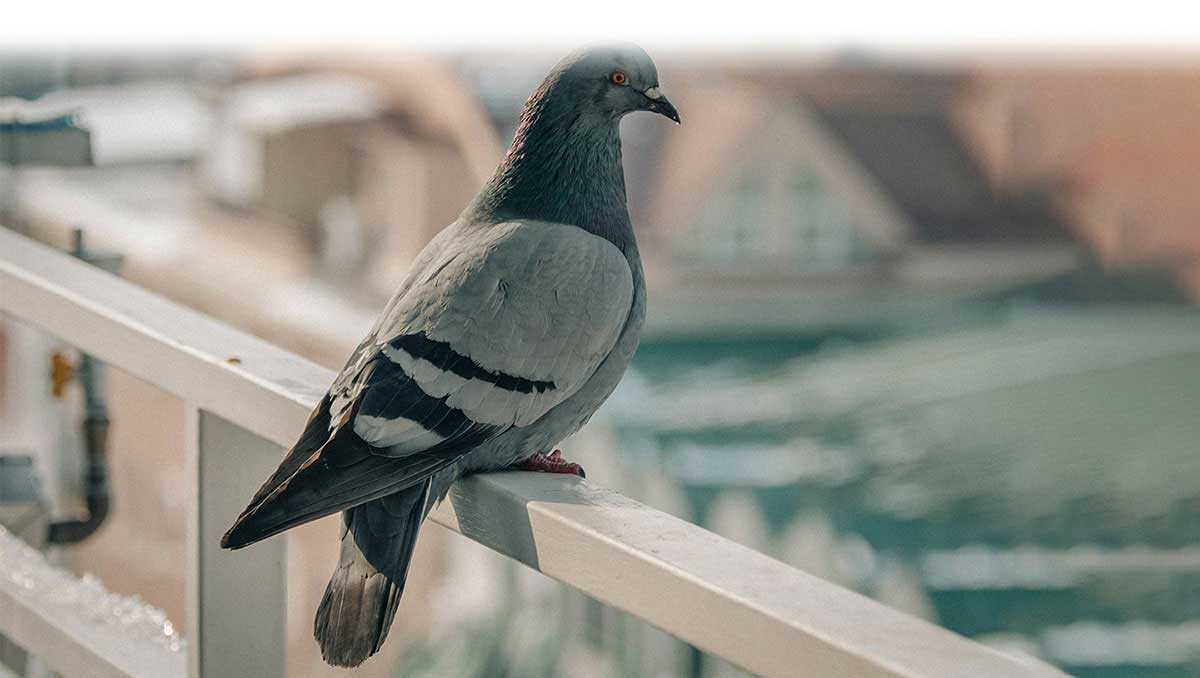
618 78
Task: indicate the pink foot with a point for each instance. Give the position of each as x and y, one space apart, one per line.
550 463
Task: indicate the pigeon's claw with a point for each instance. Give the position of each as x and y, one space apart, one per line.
550 463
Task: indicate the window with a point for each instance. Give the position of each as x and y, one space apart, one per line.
776 216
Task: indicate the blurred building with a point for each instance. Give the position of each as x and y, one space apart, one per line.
877 186
1118 140
369 162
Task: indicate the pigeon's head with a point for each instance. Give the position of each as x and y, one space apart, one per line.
612 80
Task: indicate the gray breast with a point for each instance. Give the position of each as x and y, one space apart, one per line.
567 417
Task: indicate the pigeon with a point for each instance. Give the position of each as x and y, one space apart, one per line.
514 324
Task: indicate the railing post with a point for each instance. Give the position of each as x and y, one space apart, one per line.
236 600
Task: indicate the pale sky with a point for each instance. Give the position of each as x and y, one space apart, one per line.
906 25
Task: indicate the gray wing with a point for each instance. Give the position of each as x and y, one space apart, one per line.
501 331
499 325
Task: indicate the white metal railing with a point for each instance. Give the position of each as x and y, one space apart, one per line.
246 399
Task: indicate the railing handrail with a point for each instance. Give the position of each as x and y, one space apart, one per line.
726 599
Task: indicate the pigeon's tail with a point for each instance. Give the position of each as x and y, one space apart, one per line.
360 601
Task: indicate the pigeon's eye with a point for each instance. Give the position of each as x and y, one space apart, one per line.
618 78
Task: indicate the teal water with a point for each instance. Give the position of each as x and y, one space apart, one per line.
1035 482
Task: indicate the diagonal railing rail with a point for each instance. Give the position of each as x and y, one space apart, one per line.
247 399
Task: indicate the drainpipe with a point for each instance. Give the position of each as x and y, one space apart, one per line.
96 492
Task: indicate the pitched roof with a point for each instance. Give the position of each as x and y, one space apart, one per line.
899 124
921 162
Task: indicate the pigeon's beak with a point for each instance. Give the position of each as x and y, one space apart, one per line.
658 103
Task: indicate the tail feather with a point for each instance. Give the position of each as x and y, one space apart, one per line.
361 598
355 613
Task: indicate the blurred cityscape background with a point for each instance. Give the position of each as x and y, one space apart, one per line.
926 328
